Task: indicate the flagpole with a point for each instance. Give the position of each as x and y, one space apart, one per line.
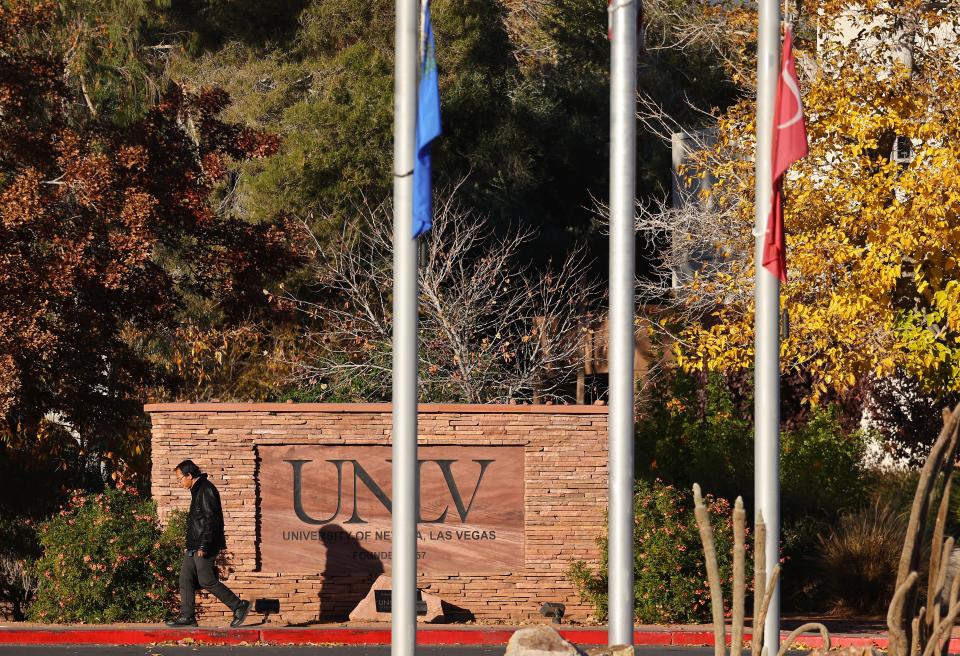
404 534
767 317
623 147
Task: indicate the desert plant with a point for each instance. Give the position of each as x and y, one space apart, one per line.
917 628
105 559
763 585
857 554
914 629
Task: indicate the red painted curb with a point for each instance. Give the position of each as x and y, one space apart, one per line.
326 636
691 638
83 636
464 637
646 638
381 636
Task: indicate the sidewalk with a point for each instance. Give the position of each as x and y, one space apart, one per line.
855 634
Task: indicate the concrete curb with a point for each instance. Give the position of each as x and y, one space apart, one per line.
648 636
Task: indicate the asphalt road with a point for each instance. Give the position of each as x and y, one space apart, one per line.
257 650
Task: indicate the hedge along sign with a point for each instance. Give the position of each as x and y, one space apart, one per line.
328 508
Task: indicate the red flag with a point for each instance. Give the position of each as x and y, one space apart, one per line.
789 145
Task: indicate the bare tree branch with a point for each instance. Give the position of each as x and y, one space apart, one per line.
491 330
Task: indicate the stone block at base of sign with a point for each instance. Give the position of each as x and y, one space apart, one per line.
539 641
366 610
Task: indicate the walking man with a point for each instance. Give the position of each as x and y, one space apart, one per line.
205 539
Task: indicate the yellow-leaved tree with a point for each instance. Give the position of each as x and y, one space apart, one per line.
872 214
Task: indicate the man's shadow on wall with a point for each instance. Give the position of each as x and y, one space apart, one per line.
348 574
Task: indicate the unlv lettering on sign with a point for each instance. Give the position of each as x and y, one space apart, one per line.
361 475
328 508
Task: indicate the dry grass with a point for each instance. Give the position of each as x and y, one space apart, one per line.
858 556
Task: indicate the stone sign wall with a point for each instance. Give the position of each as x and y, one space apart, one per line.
510 497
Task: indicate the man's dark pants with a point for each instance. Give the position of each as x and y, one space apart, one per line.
195 573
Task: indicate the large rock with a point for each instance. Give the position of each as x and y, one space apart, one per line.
366 610
539 640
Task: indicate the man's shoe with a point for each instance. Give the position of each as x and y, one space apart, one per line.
240 613
181 621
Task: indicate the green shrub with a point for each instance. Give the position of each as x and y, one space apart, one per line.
175 534
18 551
821 476
693 431
697 429
105 559
801 586
670 578
820 467
858 558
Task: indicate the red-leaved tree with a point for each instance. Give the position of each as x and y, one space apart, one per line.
106 235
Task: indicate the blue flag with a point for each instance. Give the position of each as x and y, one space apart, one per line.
428 127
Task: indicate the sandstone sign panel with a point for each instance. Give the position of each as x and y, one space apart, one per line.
326 509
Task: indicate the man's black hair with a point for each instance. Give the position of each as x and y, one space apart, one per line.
189 468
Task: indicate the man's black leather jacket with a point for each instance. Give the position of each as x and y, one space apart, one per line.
205 521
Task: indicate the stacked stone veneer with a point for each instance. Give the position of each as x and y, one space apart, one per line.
566 490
